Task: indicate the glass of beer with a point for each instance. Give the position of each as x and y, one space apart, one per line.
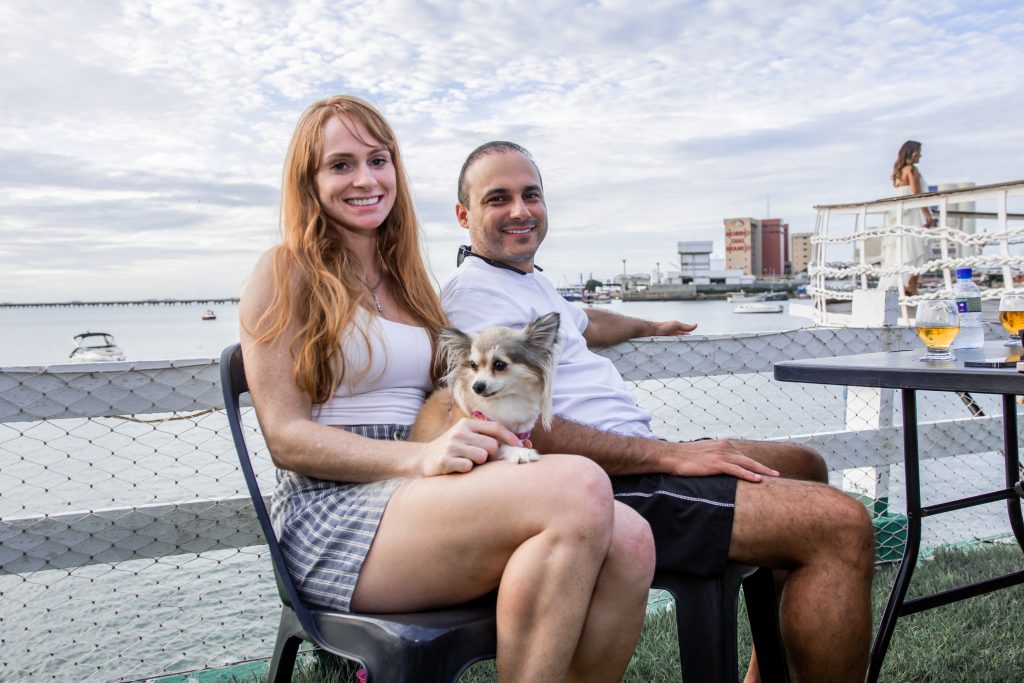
1011 315
937 325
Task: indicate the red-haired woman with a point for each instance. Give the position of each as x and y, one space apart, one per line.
338 327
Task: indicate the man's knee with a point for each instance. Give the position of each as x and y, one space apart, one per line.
854 534
797 523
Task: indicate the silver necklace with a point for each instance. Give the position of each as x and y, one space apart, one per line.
373 292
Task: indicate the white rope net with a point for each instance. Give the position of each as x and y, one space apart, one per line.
964 237
128 548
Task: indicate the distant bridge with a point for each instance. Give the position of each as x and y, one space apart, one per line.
141 302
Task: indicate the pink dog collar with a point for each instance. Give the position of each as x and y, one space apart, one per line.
522 436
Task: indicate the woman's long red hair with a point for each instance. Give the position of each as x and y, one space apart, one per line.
315 273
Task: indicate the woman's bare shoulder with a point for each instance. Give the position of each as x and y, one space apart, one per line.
261 286
265 264
262 274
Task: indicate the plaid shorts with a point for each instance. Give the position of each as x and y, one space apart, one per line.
325 528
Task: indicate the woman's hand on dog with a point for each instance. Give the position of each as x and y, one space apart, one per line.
465 445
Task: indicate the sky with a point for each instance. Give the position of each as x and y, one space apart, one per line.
141 142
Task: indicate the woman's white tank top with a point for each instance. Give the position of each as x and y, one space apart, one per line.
397 382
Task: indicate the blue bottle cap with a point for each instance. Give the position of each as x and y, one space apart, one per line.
963 273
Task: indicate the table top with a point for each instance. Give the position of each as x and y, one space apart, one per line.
904 370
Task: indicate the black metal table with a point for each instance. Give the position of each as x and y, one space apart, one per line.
902 370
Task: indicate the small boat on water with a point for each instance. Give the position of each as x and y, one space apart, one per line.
209 315
571 293
742 297
95 347
758 307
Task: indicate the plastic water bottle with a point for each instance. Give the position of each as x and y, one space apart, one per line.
968 304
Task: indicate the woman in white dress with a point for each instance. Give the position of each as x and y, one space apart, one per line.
908 181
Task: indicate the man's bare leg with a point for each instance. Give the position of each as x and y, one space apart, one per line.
791 461
825 540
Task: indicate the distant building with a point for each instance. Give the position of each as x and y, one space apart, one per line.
698 268
695 261
774 247
758 247
740 236
801 251
956 250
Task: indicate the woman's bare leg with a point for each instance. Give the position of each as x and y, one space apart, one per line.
619 603
538 532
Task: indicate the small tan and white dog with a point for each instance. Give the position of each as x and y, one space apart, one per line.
501 374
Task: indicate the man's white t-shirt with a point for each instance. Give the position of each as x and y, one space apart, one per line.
588 389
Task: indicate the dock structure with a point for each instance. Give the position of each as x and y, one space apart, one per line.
133 302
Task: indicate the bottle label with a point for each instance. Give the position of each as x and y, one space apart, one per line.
971 305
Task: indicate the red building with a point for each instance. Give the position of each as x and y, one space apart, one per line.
774 247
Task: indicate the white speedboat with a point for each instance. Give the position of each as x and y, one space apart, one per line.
209 315
759 307
95 347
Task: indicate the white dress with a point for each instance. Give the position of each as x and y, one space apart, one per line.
915 249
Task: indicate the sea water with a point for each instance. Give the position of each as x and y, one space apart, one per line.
43 335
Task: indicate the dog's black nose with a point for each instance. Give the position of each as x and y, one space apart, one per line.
480 387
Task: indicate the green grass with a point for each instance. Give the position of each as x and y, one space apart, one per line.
974 641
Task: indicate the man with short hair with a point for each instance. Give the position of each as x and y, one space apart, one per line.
708 501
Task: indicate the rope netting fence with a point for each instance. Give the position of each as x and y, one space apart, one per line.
128 547
976 227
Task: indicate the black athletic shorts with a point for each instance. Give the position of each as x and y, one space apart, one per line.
691 518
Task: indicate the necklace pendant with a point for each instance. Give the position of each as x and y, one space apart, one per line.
376 301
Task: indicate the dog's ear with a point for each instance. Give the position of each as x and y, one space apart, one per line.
542 333
541 336
456 344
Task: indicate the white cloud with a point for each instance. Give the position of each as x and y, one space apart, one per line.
136 133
